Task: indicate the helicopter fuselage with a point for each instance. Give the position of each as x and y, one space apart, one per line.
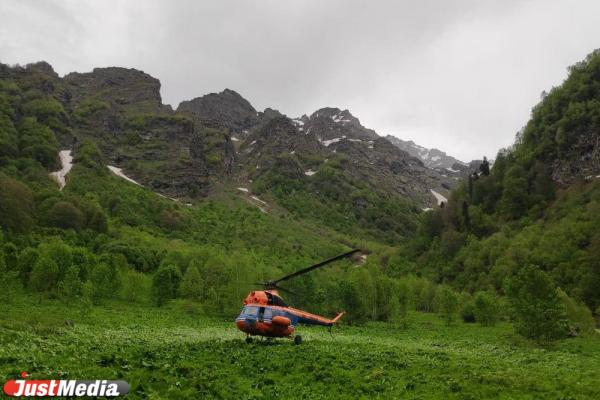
276 321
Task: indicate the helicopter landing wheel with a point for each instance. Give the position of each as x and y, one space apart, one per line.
248 339
297 340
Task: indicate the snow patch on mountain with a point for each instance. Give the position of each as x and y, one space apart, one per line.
66 162
326 143
440 199
259 200
254 200
119 172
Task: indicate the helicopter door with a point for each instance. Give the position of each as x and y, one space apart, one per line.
268 315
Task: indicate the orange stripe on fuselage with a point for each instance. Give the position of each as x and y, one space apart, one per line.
299 313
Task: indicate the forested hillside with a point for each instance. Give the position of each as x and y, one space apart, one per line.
202 201
539 204
102 238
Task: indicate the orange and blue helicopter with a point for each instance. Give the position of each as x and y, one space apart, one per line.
266 314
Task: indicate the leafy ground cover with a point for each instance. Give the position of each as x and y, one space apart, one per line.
175 352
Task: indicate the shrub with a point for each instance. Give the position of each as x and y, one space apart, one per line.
538 311
89 156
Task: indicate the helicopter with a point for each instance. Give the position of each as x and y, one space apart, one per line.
266 314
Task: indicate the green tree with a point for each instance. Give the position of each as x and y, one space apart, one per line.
538 311
64 214
16 205
485 309
446 302
165 284
135 287
89 156
37 141
484 167
69 288
44 276
425 296
27 258
400 303
106 282
515 194
59 252
192 285
8 137
467 311
9 281
352 302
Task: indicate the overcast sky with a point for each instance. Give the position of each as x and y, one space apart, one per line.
461 76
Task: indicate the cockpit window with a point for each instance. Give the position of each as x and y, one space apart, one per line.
250 310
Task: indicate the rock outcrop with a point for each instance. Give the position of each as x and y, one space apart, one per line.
582 161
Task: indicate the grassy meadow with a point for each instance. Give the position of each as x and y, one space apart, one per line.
175 352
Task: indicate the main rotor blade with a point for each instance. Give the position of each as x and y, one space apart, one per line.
315 266
286 290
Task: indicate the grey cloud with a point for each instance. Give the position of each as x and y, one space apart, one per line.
460 75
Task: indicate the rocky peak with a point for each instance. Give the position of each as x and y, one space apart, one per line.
331 123
343 117
122 87
228 107
41 66
269 114
432 158
276 138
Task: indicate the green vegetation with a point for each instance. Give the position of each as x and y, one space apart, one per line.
514 215
337 200
107 279
173 352
538 310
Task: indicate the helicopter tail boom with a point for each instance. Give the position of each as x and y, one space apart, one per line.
338 317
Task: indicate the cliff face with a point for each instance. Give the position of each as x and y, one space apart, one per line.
121 110
581 161
220 137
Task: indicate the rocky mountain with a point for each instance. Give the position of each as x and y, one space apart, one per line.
431 158
228 107
327 161
264 139
309 143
